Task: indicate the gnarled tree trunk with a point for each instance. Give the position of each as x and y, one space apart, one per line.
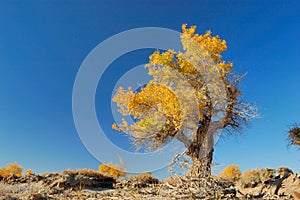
201 166
201 151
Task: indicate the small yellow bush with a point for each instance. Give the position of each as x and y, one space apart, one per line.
112 170
29 172
10 170
231 173
251 178
4 173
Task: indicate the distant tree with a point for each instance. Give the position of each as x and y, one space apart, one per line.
294 135
10 170
192 96
231 173
251 178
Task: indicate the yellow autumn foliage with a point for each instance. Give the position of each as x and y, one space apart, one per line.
212 44
10 170
29 172
180 93
231 173
111 170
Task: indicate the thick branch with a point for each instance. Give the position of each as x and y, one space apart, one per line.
182 138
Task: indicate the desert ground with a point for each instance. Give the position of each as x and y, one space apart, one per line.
81 184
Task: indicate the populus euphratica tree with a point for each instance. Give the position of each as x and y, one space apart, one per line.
193 95
294 135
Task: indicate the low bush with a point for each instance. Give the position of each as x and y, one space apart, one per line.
29 172
112 170
283 171
253 177
144 179
86 172
13 169
231 173
266 174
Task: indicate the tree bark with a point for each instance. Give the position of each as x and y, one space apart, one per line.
201 151
201 166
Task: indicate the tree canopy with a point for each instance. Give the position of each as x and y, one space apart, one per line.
192 95
294 135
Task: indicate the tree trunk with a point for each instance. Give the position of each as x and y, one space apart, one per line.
201 165
201 152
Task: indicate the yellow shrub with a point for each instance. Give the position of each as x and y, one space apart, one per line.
112 170
231 173
251 178
10 170
29 172
4 173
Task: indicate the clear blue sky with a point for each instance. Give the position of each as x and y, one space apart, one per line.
43 43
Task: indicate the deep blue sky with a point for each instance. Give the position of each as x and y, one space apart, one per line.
43 43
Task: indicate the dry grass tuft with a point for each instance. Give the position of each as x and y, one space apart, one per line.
86 172
145 178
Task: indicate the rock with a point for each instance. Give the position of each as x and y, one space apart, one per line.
296 195
229 192
290 185
73 180
23 179
284 186
252 192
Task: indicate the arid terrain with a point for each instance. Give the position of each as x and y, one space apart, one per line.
81 184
